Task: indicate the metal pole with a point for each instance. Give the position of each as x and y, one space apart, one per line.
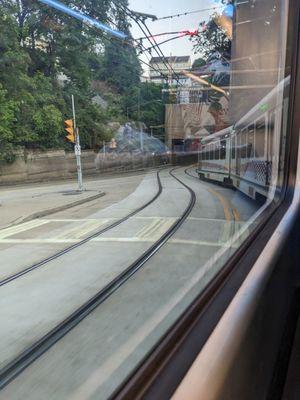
77 149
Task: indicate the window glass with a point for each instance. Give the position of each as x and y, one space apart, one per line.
251 142
223 145
260 138
110 223
233 146
243 143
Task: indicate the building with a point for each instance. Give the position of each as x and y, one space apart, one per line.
169 68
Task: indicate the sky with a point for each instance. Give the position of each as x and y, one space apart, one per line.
161 8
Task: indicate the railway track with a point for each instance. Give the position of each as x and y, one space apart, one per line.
85 240
28 356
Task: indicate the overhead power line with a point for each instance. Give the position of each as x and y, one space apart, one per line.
182 32
138 20
190 12
157 47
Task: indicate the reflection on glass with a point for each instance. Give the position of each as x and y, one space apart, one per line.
175 116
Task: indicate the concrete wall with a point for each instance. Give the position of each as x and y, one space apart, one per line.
37 166
31 166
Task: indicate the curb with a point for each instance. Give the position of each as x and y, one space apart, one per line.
44 213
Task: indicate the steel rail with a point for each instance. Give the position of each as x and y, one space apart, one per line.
28 356
83 241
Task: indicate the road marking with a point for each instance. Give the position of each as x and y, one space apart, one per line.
76 232
148 228
26 226
112 240
155 230
223 202
37 241
205 219
236 215
198 242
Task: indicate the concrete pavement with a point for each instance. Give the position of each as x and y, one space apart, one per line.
98 354
23 203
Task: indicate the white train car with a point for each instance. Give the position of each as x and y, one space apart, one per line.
245 155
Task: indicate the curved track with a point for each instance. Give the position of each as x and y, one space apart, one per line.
83 241
15 367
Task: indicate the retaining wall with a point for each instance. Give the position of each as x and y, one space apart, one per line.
37 166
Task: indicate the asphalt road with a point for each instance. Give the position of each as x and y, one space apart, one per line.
94 358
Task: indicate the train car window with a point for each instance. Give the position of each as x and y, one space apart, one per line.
271 132
251 142
223 145
212 152
238 145
233 146
110 223
260 138
243 143
217 151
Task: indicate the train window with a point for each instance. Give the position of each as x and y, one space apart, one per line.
239 144
110 224
212 152
243 143
260 138
271 133
251 143
223 145
233 146
217 151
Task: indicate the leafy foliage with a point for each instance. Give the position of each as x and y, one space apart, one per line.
212 40
46 57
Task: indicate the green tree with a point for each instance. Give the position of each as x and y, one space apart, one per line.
211 40
199 62
37 45
121 67
7 122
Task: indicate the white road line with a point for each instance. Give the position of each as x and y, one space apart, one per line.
197 242
113 239
206 219
26 226
37 241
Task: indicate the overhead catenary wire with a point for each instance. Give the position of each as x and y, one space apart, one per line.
128 43
157 49
189 12
160 53
168 40
157 46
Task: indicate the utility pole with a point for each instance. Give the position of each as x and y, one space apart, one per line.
77 149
